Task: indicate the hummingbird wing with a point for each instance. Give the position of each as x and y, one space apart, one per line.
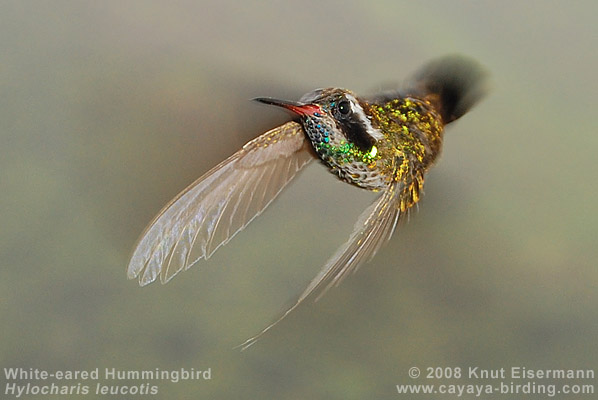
209 212
373 228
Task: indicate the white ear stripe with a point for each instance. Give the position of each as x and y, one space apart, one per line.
357 109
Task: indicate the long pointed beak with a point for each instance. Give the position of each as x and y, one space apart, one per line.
294 106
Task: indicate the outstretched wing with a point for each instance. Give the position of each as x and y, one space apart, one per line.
209 212
373 228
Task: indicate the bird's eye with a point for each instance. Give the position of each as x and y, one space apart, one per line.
344 108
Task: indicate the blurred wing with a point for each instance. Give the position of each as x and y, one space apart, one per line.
373 228
209 212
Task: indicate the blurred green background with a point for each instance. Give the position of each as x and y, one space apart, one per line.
108 109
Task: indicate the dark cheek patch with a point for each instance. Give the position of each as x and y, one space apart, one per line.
356 132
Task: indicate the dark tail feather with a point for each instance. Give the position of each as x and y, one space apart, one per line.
454 83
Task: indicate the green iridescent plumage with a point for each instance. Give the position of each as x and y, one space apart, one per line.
413 132
401 137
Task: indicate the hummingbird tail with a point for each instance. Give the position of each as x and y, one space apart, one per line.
454 83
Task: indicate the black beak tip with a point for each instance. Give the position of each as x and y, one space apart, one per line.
277 102
264 100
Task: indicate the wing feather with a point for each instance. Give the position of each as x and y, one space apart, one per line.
373 228
208 213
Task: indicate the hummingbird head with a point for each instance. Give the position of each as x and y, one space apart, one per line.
338 126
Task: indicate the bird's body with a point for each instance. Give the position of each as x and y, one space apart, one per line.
393 140
385 144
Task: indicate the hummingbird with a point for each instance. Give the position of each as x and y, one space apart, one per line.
385 143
